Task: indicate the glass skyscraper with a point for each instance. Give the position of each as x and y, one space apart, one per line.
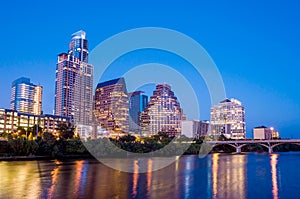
111 106
137 103
74 82
26 97
78 46
163 113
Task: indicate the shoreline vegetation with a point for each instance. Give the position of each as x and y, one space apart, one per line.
49 147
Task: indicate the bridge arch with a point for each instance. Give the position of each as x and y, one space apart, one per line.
268 144
229 144
238 147
261 144
275 145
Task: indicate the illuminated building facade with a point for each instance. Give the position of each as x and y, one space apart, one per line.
111 106
228 118
262 133
26 97
74 82
275 133
265 133
137 103
10 120
163 113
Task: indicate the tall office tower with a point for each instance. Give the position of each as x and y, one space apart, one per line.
137 103
228 118
78 46
111 106
74 82
163 113
26 97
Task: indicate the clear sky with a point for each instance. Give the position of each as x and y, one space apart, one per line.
255 44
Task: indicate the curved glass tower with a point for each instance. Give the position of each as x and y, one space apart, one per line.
78 46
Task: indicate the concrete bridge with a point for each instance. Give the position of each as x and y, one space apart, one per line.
239 144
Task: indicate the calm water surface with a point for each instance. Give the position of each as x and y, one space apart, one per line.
216 176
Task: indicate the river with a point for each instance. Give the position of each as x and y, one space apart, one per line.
229 176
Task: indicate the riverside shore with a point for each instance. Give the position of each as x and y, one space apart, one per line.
33 157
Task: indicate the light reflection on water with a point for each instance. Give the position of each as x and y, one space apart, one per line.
217 176
229 173
274 175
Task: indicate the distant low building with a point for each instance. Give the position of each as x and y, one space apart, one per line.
275 133
10 120
262 133
194 128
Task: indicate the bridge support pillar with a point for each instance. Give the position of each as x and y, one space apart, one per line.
270 149
238 150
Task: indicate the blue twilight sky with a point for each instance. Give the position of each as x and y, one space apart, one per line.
255 44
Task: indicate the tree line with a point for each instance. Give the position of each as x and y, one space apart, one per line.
66 144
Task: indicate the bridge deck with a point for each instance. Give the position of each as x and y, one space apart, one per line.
253 141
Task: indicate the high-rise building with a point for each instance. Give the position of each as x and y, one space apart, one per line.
163 113
111 106
26 97
228 118
74 82
78 46
137 103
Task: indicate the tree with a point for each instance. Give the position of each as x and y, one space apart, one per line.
127 138
67 130
34 128
48 145
21 146
21 131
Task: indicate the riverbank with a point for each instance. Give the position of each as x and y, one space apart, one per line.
33 158
83 157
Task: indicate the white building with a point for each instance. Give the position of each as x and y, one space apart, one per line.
194 128
228 118
265 133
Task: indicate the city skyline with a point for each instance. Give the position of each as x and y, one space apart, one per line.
264 78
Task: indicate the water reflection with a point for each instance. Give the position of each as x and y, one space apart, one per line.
135 178
215 167
16 175
217 176
273 163
54 174
229 174
149 176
